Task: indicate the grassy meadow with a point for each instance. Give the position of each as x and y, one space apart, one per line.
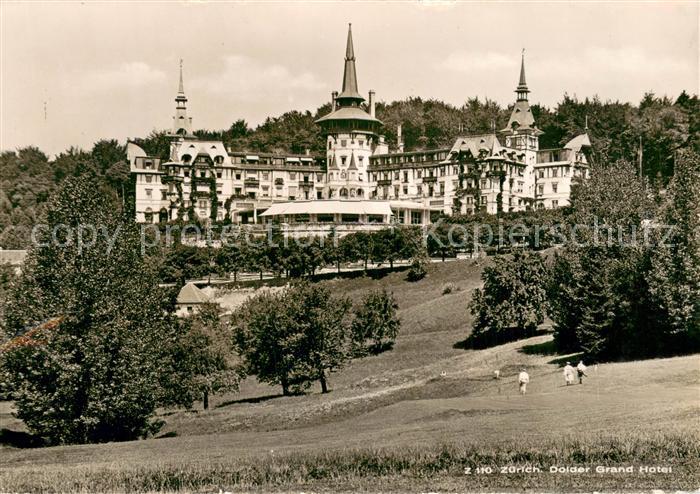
411 419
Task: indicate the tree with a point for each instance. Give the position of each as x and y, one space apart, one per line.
89 327
205 357
375 320
294 337
513 300
674 278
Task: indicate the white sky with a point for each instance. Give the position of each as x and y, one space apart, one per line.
110 69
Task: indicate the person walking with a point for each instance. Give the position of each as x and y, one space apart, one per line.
523 379
581 370
568 374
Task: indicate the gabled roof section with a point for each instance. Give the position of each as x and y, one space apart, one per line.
578 142
486 145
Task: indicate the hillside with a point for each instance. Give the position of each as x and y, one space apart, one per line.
425 394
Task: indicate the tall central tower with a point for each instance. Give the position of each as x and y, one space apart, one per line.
182 124
351 135
521 132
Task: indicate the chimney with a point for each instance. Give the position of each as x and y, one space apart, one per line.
334 96
372 105
399 139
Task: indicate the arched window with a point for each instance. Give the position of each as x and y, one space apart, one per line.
360 193
163 216
186 158
148 215
343 192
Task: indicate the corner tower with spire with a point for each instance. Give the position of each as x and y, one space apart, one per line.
352 134
522 132
182 124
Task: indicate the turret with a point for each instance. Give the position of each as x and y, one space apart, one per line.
182 124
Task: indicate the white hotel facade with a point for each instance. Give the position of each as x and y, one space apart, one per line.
359 183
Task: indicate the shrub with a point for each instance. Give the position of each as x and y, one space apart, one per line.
448 288
418 270
376 321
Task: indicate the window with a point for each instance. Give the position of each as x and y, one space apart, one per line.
149 193
238 176
319 195
266 175
361 158
203 204
343 159
218 174
555 203
484 199
554 187
483 183
187 173
396 175
540 189
405 189
343 143
292 176
149 179
396 191
520 187
419 173
203 174
405 176
540 174
415 217
237 191
163 195
361 142
555 172
419 189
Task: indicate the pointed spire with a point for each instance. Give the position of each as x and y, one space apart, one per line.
586 127
350 92
349 51
522 71
181 88
522 89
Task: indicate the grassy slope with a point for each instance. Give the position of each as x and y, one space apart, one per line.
401 400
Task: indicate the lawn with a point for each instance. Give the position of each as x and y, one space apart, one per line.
410 419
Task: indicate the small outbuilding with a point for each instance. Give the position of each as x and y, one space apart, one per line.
189 300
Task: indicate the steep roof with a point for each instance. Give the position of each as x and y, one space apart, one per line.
350 91
578 142
190 294
476 144
521 115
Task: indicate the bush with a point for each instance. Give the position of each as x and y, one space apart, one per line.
418 270
448 288
376 321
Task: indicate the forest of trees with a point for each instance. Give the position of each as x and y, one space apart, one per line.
663 126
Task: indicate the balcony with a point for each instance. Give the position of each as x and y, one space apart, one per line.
429 180
383 182
251 182
305 184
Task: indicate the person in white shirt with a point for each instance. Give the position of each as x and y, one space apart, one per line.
581 369
568 374
523 379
